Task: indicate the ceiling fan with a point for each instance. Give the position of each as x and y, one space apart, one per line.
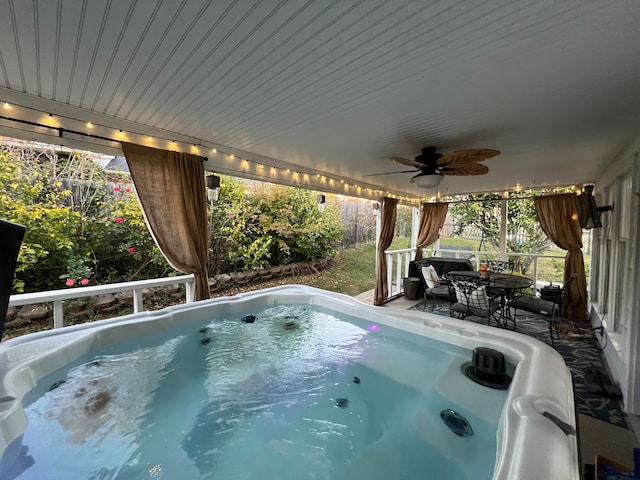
432 166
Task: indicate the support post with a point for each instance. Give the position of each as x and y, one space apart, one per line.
504 212
58 314
138 302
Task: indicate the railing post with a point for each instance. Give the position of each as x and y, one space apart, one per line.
138 300
190 292
389 260
58 314
504 214
399 287
407 260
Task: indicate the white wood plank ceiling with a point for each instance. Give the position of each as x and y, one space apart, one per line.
334 88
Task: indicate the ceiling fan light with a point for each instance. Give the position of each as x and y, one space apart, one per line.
429 181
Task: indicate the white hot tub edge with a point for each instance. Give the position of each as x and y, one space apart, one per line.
530 445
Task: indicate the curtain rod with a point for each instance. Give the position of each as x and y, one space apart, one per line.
61 130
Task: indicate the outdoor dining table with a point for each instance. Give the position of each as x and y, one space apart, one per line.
497 281
499 285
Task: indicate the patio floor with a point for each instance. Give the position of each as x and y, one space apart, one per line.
596 436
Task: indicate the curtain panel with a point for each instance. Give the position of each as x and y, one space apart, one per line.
431 221
171 190
389 207
560 219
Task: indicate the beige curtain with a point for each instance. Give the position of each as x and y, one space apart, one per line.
559 217
171 190
389 206
431 221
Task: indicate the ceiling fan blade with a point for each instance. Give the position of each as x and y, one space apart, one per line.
389 173
406 161
470 155
464 169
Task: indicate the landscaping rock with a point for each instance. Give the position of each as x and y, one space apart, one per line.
105 303
33 313
239 278
77 306
276 271
222 279
125 298
12 313
80 316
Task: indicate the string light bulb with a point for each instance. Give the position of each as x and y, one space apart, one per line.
213 150
89 125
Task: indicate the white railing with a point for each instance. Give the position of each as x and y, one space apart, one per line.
398 264
401 259
57 297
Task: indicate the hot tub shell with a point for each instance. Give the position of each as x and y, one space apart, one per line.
530 445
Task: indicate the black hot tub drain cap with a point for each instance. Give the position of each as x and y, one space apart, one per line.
488 368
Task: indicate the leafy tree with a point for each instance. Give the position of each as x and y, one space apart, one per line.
85 225
258 225
118 242
296 228
81 227
524 234
30 197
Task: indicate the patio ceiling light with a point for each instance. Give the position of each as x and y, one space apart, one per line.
429 181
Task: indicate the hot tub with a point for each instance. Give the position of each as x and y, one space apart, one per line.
288 382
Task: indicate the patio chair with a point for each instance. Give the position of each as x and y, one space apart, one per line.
469 298
442 267
434 286
546 308
500 266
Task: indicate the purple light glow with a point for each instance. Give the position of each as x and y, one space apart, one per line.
373 328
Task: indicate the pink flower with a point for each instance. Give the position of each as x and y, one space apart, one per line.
84 282
70 282
131 249
119 220
128 190
116 188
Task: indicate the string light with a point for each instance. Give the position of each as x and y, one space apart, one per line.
119 134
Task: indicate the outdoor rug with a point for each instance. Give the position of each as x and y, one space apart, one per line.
582 356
